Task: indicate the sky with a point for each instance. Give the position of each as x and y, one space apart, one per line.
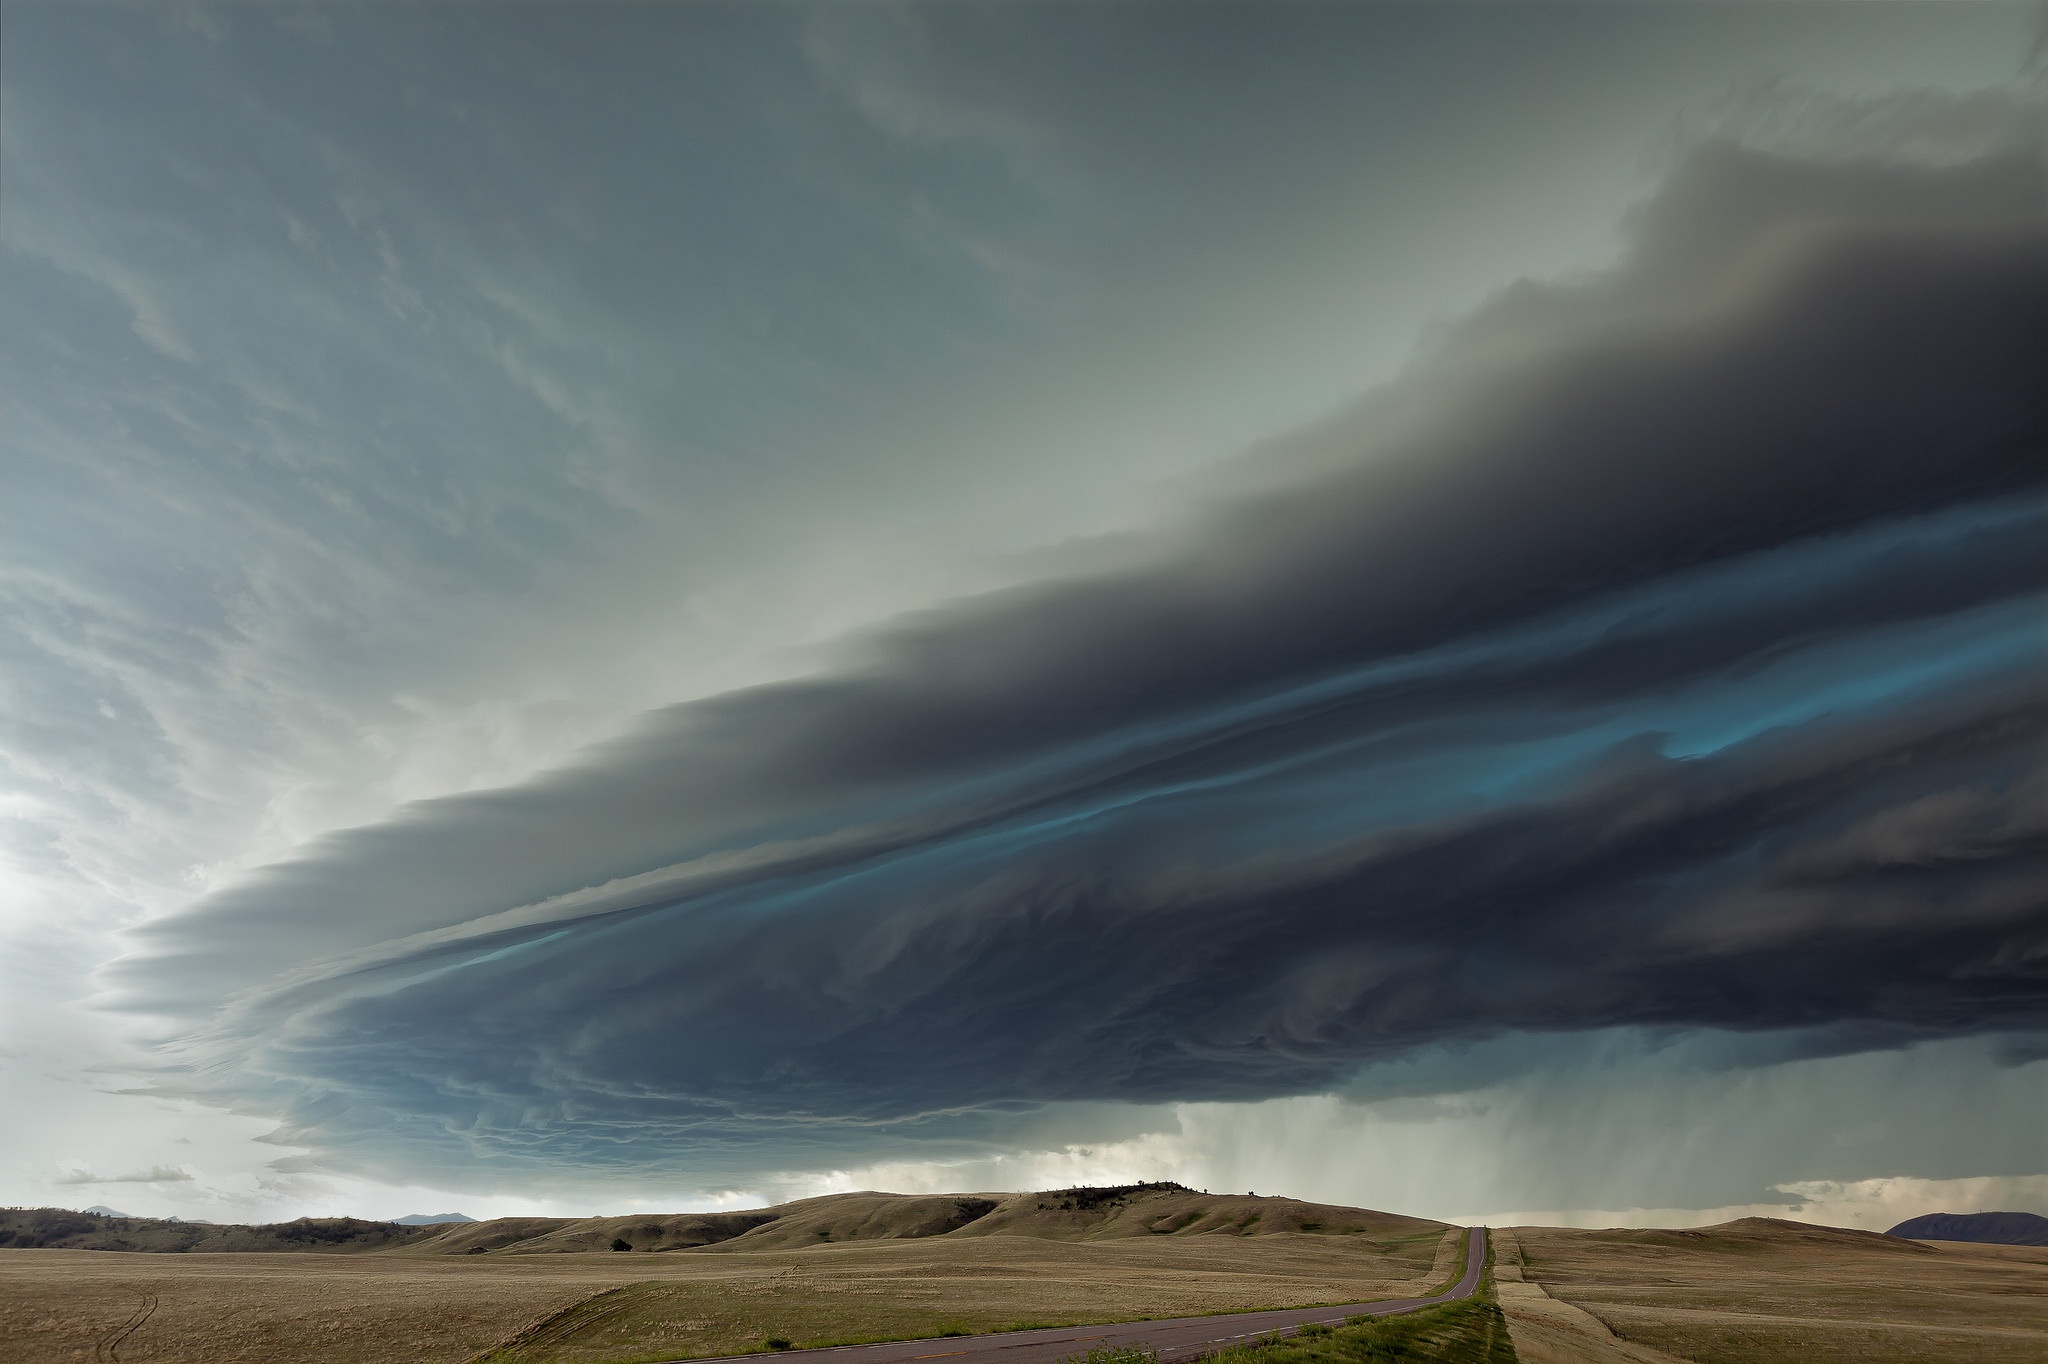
609 607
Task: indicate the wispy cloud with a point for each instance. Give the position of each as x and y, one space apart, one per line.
155 1174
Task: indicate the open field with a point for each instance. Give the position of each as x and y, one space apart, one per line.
866 1266
58 1305
1116 1259
1759 1290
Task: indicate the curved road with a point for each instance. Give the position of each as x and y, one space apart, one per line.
1179 1338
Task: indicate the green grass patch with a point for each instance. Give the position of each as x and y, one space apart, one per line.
1114 1354
1414 1247
1468 1332
1457 1269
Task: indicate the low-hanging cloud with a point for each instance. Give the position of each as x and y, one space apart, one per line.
155 1174
1665 651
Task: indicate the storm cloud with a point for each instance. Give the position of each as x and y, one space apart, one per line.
1664 650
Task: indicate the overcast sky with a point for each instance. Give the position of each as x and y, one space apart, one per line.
629 606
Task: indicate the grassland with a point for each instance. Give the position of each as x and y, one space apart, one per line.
1763 1290
1082 1257
875 1266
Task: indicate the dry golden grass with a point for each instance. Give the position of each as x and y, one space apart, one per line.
1059 1215
1750 1291
1760 1290
381 1306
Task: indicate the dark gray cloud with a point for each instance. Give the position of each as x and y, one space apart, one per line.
1664 651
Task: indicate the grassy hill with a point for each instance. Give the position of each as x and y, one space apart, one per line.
1765 1290
1079 1214
1094 1214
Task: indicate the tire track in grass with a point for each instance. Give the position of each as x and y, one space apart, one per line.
108 1349
559 1326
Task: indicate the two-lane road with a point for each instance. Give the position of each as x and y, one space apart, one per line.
1179 1338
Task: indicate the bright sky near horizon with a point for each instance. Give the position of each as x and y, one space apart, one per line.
612 605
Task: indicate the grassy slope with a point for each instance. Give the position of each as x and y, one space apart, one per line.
1761 1289
1061 1215
1140 1210
1169 1210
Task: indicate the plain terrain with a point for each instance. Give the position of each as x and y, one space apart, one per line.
875 1266
827 1270
1762 1289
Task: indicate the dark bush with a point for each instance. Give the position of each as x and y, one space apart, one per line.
1087 1199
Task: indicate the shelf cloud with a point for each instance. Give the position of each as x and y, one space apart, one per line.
1664 650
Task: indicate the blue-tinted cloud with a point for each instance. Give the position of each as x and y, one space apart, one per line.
1665 652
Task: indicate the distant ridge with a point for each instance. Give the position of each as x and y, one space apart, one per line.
1992 1228
1078 1214
62 1229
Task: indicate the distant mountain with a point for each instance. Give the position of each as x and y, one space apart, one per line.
102 1210
1997 1228
430 1219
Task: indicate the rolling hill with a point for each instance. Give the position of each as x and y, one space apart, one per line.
1078 1214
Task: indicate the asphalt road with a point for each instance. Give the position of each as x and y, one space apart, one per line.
1179 1338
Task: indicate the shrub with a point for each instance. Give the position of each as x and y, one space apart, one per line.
1115 1354
621 1243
